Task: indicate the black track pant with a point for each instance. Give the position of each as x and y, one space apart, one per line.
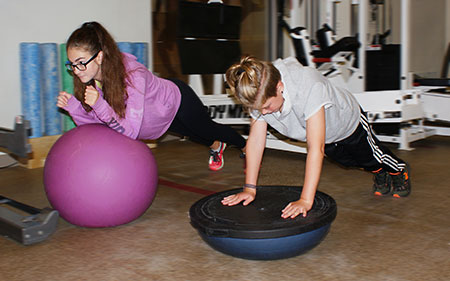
192 120
363 150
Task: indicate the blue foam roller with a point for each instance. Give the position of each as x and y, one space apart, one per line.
50 89
126 47
31 86
141 52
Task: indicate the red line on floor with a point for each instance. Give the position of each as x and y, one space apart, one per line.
185 187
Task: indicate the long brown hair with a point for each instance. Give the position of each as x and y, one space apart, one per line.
93 37
253 81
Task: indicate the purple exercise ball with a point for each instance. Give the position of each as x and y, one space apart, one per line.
97 177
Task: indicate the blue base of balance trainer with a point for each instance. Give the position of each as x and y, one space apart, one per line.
257 231
268 248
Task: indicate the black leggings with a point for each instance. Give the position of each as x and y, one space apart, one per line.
192 120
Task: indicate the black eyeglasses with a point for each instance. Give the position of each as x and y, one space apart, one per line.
80 66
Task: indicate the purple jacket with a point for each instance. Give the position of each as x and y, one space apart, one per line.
151 105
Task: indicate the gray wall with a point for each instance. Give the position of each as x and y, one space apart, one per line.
429 35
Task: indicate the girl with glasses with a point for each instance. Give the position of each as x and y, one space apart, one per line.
112 88
302 104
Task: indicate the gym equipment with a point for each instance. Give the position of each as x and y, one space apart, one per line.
329 47
66 86
208 41
30 65
141 52
37 224
40 86
377 75
50 88
257 231
29 229
126 47
16 141
137 49
97 177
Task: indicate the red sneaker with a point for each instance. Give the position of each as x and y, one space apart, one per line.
216 158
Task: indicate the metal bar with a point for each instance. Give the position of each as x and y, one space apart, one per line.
362 19
20 206
405 38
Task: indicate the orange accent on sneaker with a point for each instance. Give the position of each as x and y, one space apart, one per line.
377 193
396 196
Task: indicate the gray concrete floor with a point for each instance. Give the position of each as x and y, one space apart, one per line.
371 238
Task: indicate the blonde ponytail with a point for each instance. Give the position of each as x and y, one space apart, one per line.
252 81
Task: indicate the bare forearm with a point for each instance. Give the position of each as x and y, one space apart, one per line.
313 169
315 131
254 150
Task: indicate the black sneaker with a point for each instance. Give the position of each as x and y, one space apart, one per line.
381 182
401 185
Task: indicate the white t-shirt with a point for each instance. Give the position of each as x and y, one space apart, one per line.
305 92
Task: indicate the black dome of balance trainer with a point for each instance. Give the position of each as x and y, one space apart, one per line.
258 231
